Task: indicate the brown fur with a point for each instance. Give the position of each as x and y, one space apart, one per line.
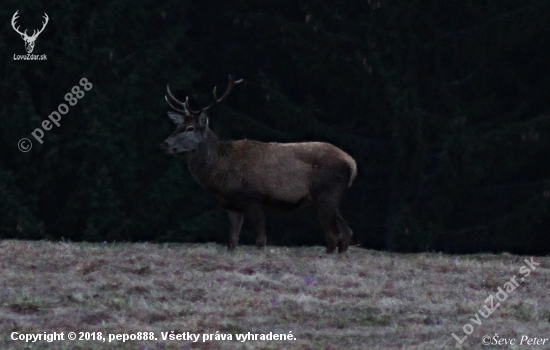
250 177
253 177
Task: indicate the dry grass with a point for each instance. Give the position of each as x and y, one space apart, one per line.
365 300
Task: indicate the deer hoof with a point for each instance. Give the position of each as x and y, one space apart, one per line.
342 247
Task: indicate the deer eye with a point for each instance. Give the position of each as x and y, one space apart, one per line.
190 129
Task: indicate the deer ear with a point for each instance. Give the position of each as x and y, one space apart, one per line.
176 118
203 120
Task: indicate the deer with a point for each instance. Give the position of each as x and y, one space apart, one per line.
253 178
29 40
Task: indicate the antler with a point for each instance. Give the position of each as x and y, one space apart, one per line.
13 19
187 109
178 102
43 26
34 33
230 85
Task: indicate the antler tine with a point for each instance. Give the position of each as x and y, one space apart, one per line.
230 85
174 107
13 20
185 110
36 32
214 92
46 19
172 96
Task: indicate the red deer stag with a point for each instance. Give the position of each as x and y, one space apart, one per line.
251 177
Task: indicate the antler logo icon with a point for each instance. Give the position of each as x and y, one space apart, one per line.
29 40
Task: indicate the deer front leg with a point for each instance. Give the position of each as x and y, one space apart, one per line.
257 217
235 222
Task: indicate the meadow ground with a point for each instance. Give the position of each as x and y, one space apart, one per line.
363 300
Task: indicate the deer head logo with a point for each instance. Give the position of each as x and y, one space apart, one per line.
29 40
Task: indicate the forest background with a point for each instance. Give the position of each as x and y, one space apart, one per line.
444 105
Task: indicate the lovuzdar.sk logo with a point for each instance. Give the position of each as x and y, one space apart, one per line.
29 40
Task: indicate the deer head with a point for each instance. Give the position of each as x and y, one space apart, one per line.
191 126
29 40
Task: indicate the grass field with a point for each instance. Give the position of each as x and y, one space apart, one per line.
364 300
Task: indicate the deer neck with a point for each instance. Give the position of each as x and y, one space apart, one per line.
203 162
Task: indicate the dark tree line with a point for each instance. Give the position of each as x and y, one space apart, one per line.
444 105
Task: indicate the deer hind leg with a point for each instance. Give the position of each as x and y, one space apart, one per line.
336 230
257 216
327 217
345 233
235 222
